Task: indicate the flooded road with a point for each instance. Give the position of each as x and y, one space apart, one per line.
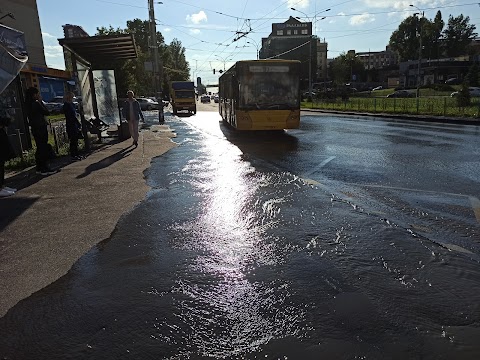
348 239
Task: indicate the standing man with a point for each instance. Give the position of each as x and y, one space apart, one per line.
36 112
74 128
132 112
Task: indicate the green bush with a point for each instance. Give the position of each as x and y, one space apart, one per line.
463 96
441 87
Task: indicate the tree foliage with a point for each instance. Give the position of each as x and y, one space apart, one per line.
437 40
472 77
131 74
458 35
344 66
432 37
405 39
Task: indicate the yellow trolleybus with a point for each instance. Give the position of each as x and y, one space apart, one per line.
261 95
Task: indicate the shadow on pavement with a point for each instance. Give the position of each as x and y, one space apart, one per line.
13 207
106 162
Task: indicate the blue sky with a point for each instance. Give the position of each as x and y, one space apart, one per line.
207 29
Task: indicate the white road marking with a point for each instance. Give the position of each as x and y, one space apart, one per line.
319 166
476 207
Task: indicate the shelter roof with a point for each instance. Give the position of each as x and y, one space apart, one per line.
102 48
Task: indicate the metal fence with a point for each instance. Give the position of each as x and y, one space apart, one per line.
435 106
58 130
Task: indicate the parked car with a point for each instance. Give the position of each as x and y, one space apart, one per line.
60 100
474 92
306 94
147 104
401 94
54 108
205 99
216 99
453 81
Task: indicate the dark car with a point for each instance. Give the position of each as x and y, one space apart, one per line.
205 99
216 99
147 104
60 100
54 108
401 94
453 81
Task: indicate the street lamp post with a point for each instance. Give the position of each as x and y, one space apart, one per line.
224 60
157 71
254 43
420 33
310 46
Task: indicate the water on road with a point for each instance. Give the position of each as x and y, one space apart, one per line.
273 246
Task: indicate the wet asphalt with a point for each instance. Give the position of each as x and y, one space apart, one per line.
348 238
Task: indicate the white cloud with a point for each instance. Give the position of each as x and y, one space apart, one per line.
53 51
361 19
197 18
195 31
300 4
47 35
403 4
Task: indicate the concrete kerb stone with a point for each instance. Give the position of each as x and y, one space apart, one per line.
51 223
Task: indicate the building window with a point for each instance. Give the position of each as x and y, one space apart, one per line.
295 32
279 32
304 32
289 32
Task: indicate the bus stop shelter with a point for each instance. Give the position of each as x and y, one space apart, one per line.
91 57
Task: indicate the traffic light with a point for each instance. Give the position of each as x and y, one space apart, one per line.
214 71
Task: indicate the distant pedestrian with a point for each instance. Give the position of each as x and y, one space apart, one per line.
36 112
74 128
132 112
6 153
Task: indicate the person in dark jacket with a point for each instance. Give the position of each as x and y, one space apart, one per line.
6 153
132 112
74 128
36 112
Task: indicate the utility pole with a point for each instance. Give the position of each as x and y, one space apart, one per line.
157 70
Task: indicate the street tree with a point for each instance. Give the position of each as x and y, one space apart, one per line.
472 77
131 74
405 40
343 68
432 37
458 34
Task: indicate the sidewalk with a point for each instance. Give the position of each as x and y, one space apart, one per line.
52 221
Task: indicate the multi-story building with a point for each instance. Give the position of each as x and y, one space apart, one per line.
22 15
377 59
73 31
36 73
294 40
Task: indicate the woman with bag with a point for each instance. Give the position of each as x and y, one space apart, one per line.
36 112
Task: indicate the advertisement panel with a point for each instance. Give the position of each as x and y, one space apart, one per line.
106 95
85 89
13 55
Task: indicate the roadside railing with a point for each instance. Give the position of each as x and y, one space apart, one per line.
58 130
434 106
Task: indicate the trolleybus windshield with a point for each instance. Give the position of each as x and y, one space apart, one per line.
265 87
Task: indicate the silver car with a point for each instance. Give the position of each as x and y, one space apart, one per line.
148 104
